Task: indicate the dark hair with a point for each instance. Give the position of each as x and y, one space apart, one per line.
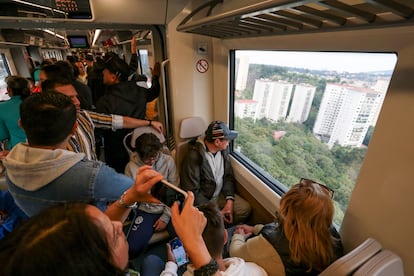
147 145
61 240
19 86
47 118
117 66
51 84
59 70
46 62
213 234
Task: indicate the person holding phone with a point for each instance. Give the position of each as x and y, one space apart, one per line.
214 236
75 238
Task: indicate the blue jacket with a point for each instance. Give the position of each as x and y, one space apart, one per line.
38 178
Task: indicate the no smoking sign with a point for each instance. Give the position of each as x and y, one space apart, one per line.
202 65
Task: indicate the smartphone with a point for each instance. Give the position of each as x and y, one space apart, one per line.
174 187
179 253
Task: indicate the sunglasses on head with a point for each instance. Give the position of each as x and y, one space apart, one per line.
306 181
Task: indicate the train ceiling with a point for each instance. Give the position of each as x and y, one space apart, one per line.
279 17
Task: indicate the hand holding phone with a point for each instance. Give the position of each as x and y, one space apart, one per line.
174 187
178 251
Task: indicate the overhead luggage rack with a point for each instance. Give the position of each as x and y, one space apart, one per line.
276 17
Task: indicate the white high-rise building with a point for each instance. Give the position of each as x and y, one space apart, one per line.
245 108
272 99
382 86
242 71
345 114
301 103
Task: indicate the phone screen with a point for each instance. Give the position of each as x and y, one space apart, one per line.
178 251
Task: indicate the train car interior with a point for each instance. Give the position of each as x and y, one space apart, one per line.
216 58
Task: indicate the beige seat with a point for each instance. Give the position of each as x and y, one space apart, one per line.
349 263
385 263
129 139
190 128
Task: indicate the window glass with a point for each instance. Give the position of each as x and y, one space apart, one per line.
146 70
4 73
308 114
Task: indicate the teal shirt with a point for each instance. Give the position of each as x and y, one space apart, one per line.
9 117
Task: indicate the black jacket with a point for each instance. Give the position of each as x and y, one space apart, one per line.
126 99
196 174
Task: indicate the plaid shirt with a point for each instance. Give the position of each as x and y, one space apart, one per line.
84 138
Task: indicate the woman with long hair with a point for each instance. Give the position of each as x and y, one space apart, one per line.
302 241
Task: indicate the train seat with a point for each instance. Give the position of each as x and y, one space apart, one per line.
349 263
129 139
190 128
382 264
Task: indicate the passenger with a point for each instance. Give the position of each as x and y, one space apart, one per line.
125 98
36 73
148 153
78 239
10 214
95 77
18 89
43 173
214 236
82 76
84 138
62 69
303 240
207 172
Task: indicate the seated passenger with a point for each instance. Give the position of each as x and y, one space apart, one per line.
207 172
148 153
303 240
78 239
43 173
215 236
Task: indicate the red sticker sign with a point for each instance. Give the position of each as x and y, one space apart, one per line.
202 65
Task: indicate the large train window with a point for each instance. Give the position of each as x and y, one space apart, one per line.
307 114
4 73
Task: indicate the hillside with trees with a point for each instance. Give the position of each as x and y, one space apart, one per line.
299 153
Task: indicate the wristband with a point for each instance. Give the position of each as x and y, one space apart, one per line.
122 203
149 122
207 270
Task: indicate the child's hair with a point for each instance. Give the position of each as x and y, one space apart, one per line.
147 145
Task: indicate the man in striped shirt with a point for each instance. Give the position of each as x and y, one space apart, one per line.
84 138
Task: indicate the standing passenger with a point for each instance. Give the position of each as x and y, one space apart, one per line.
18 89
43 173
84 138
125 98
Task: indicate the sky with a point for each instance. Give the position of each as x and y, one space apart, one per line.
340 62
